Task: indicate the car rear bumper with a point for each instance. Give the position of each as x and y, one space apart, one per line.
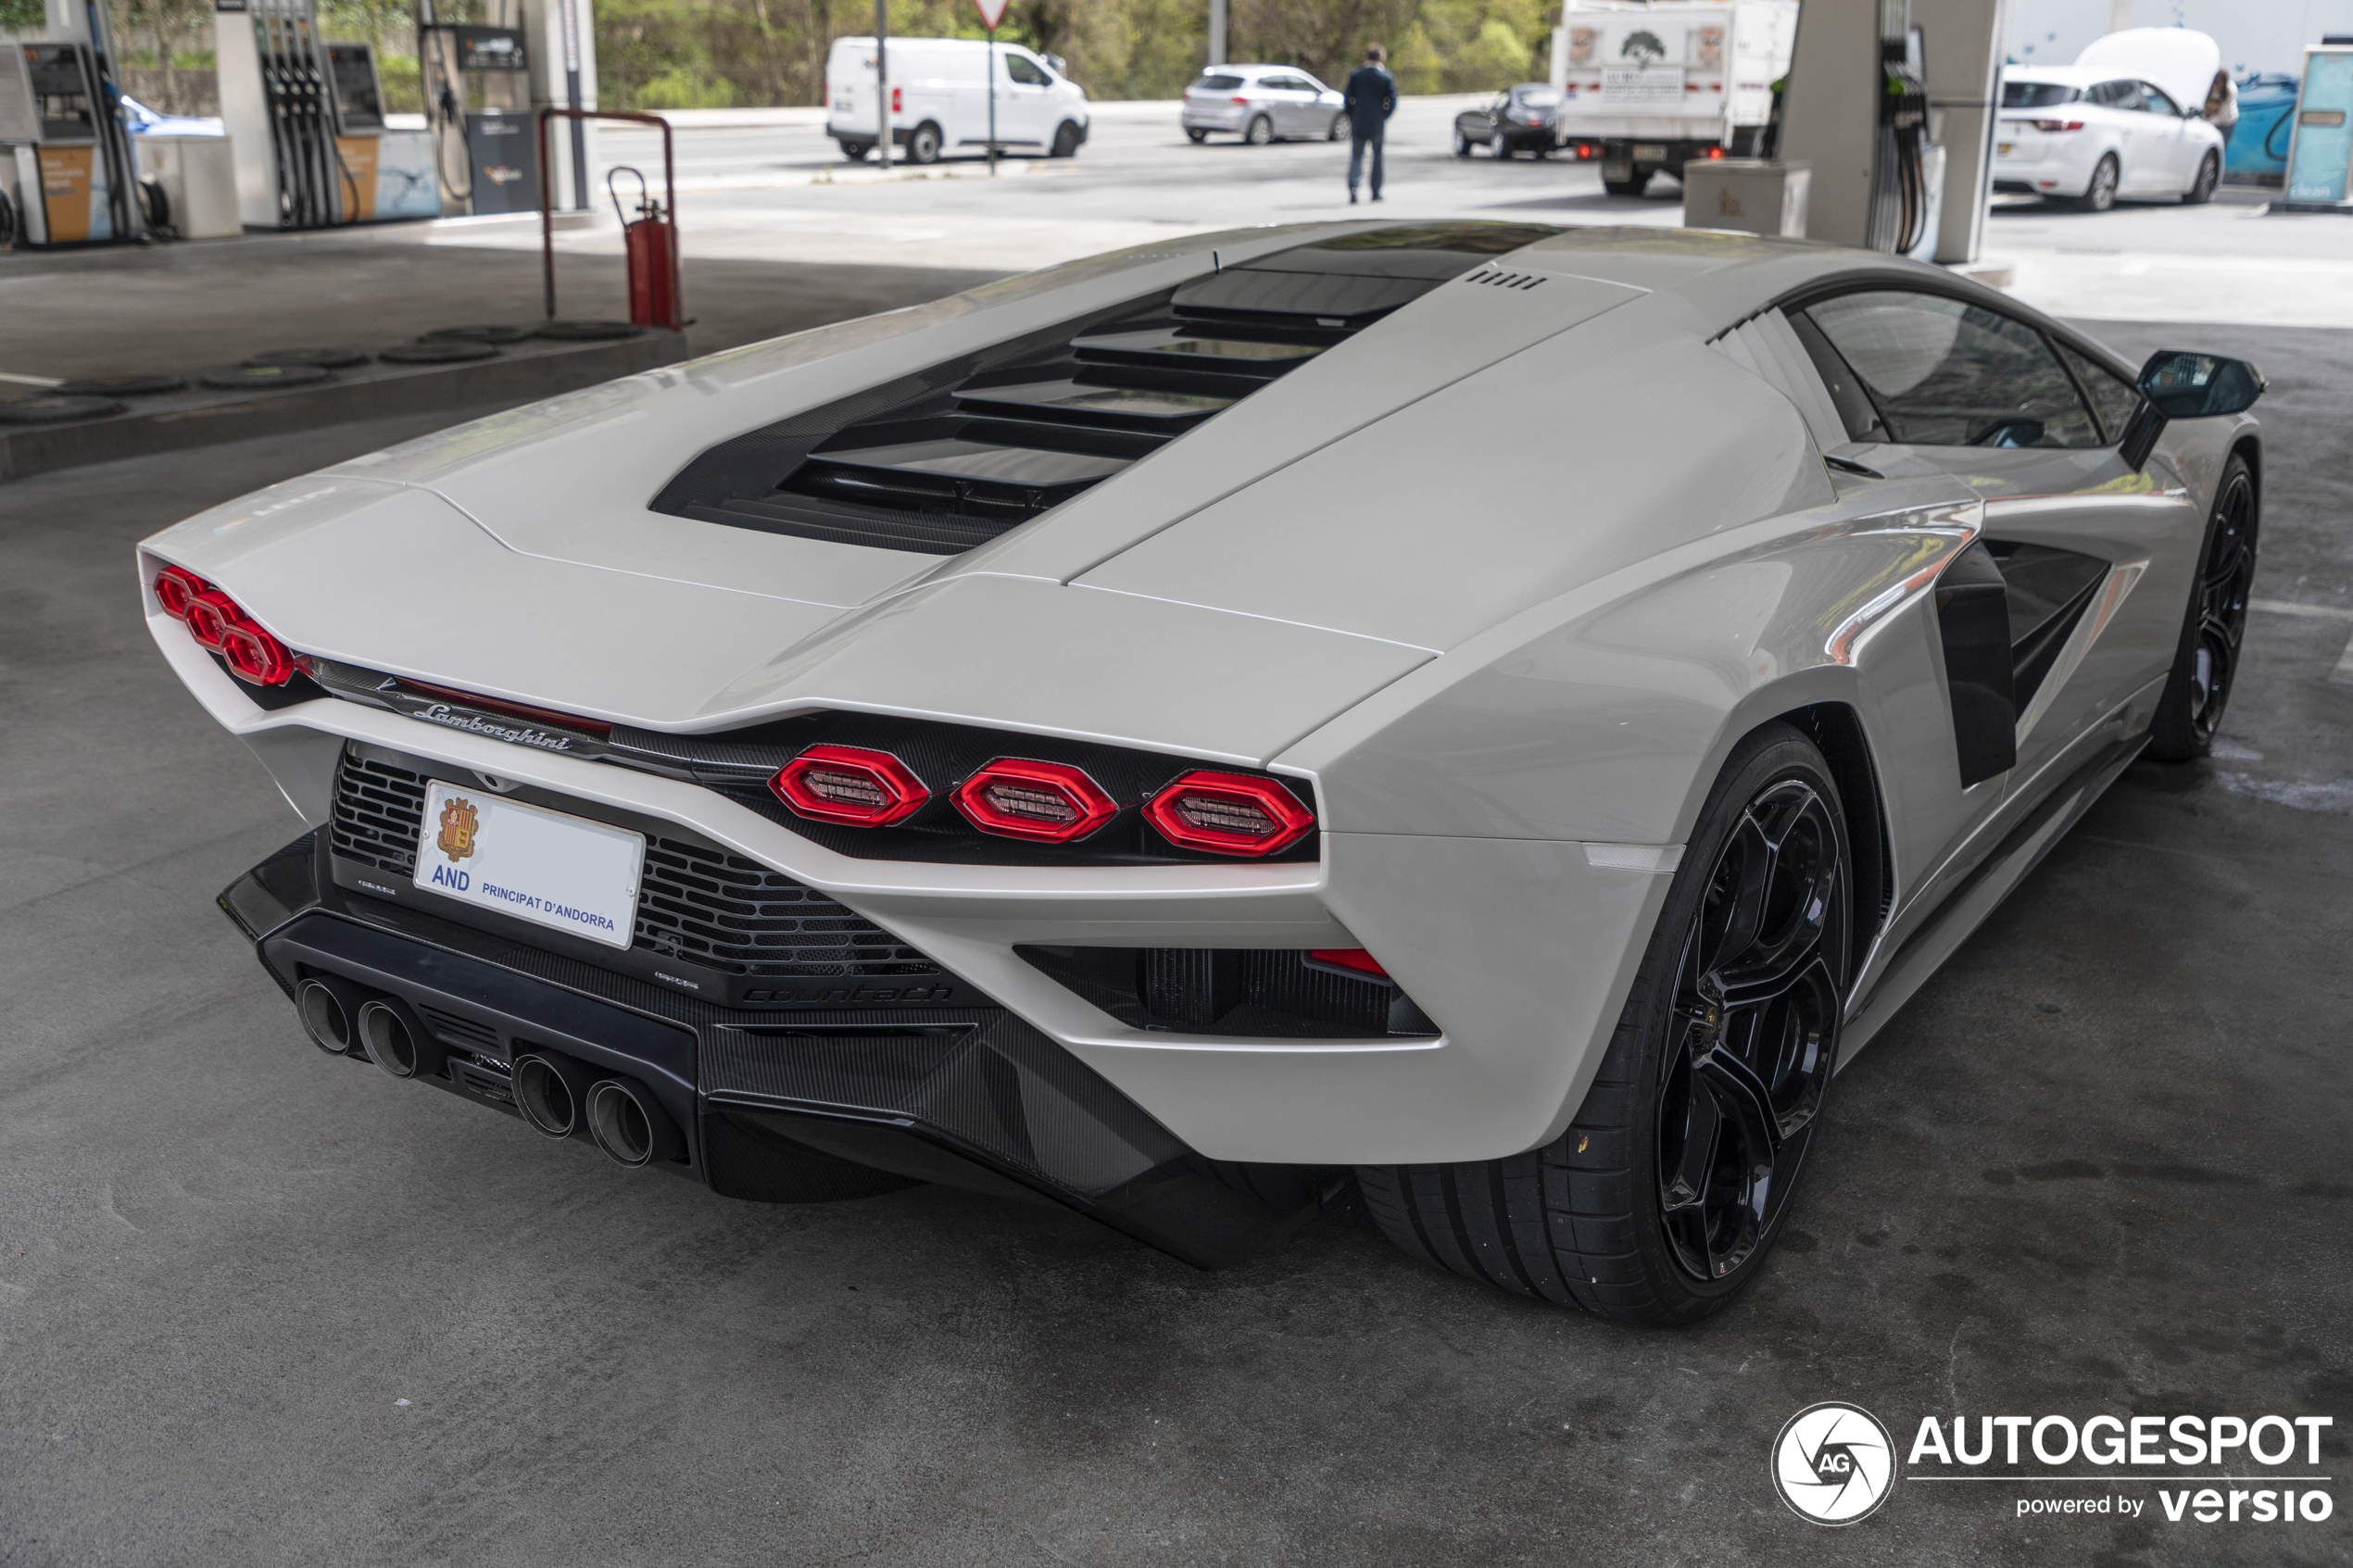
1231 117
768 1107
2046 177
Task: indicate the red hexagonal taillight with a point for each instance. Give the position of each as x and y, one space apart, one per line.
217 625
255 657
849 784
1228 814
1052 802
176 589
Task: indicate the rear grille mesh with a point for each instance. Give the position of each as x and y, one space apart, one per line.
695 903
725 912
379 811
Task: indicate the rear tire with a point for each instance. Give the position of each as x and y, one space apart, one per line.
2214 626
1259 132
1340 129
2209 174
1650 1209
1197 137
1500 147
923 143
2100 193
1632 186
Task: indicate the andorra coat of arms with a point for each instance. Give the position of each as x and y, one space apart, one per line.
458 822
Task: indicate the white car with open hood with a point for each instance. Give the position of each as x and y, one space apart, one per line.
1177 732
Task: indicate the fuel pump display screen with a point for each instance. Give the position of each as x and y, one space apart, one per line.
359 108
490 48
62 93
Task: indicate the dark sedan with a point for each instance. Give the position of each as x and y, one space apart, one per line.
1519 120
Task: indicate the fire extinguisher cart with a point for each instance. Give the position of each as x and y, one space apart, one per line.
656 296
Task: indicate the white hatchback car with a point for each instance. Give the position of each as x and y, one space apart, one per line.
1262 104
2088 136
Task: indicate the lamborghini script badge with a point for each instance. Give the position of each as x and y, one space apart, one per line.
458 821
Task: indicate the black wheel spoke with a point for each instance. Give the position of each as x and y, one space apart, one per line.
1755 1029
1738 1090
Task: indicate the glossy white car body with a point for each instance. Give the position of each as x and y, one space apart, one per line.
1455 577
1294 105
2054 144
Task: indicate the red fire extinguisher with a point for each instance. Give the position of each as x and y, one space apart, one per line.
650 242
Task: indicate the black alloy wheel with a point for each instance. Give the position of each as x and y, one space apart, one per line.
1662 1200
923 143
1261 132
2199 691
1753 1034
2100 194
2209 174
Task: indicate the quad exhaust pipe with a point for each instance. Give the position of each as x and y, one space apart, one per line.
629 1126
398 1040
330 1013
560 1096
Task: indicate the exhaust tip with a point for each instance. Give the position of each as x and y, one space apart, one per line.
545 1099
390 1038
627 1124
324 1017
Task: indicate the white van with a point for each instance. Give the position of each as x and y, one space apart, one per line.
940 99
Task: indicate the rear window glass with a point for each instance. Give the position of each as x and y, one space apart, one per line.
2037 94
1218 84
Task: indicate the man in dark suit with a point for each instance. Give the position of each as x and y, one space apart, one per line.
1372 98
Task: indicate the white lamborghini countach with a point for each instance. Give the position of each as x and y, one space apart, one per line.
1492 712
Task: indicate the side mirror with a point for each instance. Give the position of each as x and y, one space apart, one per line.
2196 386
2179 384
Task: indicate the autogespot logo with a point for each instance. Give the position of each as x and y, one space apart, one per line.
1833 1463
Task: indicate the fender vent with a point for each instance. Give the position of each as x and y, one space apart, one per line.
950 458
1505 280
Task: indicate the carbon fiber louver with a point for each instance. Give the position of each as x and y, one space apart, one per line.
941 461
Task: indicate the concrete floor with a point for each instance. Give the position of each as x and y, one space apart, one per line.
187 308
260 1307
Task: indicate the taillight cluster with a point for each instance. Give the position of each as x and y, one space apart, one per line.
219 626
1044 802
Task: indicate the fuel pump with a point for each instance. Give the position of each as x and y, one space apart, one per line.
1903 197
64 152
477 90
304 115
1871 91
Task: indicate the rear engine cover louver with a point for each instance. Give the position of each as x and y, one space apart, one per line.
942 461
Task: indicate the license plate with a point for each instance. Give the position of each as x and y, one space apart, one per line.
1650 154
563 872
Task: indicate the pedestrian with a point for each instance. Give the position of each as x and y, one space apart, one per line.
2222 104
1372 98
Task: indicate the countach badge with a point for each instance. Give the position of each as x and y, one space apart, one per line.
458 820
